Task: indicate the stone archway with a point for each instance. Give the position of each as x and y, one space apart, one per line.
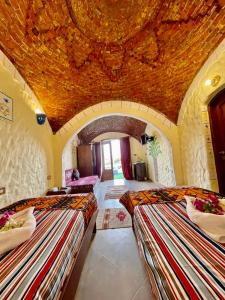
156 120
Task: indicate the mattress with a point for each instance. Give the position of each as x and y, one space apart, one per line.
162 195
86 203
38 268
182 261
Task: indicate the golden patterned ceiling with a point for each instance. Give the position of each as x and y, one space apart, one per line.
76 53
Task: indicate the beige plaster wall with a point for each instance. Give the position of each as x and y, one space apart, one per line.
126 108
164 160
69 157
26 149
194 128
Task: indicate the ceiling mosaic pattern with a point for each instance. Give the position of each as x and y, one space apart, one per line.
122 124
76 53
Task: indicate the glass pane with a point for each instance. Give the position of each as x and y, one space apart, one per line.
107 157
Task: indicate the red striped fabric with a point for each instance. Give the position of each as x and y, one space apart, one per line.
37 268
182 261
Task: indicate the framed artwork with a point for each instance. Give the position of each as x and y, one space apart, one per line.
6 107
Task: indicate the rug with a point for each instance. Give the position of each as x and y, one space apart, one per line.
115 191
113 218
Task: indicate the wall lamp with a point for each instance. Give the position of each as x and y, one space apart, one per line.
213 82
41 117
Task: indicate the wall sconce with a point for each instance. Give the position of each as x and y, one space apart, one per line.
41 117
213 82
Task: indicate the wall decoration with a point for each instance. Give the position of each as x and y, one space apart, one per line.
6 107
154 151
154 148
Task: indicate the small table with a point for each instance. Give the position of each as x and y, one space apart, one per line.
60 191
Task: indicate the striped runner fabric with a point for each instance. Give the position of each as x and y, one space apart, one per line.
181 260
38 268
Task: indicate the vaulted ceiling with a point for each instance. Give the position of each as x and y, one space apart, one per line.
76 53
128 125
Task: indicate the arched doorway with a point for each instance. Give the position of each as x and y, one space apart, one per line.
165 164
217 122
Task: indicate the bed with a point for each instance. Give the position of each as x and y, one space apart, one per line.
182 262
85 202
48 265
83 184
162 195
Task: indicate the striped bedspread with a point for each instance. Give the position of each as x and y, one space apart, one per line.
86 203
182 261
37 268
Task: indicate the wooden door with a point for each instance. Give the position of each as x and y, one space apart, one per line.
107 173
217 121
85 160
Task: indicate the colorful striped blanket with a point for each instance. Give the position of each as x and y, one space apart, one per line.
181 260
37 268
165 195
86 203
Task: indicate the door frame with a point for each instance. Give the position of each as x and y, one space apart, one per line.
107 174
214 122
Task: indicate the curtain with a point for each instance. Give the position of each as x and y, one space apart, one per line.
98 159
126 158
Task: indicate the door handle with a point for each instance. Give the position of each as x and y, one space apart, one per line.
222 152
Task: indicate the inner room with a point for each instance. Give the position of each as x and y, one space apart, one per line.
112 150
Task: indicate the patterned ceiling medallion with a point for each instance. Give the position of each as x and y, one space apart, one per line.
110 21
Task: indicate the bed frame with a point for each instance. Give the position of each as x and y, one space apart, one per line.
70 285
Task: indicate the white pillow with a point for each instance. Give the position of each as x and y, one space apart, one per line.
211 224
16 236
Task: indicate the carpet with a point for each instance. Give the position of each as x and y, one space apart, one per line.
113 218
115 191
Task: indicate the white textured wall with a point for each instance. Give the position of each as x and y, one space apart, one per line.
194 146
194 128
26 157
69 157
166 174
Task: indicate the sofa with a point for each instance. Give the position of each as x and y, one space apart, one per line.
81 185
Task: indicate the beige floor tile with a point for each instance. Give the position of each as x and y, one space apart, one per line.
113 269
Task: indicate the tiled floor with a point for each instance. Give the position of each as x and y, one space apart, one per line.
113 269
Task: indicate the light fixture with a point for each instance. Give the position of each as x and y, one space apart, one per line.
41 117
213 82
208 82
216 80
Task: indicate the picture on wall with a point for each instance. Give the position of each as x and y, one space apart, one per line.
6 107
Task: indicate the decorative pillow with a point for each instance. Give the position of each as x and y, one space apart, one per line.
16 228
76 175
211 223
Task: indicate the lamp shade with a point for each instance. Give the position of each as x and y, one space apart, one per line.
41 118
